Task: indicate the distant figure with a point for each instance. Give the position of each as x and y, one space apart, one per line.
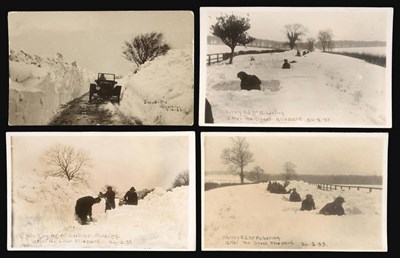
286 64
248 81
102 77
83 208
308 203
209 116
110 198
131 197
333 208
294 196
298 53
304 53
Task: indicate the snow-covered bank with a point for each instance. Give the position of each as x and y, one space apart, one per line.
43 218
39 85
319 90
249 217
161 92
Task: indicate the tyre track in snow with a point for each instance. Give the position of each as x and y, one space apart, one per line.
98 112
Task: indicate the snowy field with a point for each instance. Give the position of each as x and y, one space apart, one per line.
367 50
43 218
216 49
249 217
320 89
223 178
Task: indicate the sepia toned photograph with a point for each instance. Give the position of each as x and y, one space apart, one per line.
294 192
101 68
296 67
101 191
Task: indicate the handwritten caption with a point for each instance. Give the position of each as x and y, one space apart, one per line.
41 240
270 241
232 115
164 105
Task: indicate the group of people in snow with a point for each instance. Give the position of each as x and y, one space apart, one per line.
83 207
333 208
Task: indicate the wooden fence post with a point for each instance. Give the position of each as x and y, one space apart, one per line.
209 59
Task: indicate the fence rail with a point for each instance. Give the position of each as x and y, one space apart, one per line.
216 58
330 187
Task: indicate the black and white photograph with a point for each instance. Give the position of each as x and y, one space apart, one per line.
296 66
101 68
294 192
101 191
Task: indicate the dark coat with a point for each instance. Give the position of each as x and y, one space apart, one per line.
209 115
294 197
307 205
110 199
332 209
286 65
131 198
83 208
250 82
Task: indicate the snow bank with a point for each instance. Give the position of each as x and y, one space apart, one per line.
320 89
249 217
161 92
39 85
43 217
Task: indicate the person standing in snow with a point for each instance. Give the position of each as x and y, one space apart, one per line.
308 203
294 196
110 198
248 81
83 208
286 64
131 197
333 208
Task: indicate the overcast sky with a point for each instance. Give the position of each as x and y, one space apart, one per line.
346 23
123 161
329 155
95 39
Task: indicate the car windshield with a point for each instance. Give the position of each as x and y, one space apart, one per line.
105 76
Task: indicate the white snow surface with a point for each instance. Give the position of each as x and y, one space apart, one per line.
320 89
162 90
43 218
367 50
217 49
39 85
250 217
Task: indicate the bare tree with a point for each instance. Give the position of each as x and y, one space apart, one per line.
67 162
325 38
181 179
288 170
294 33
231 29
238 156
310 44
258 171
145 47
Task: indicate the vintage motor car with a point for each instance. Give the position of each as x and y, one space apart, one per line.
105 88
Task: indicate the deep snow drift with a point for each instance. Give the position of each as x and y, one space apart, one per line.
43 218
320 89
39 85
161 92
249 217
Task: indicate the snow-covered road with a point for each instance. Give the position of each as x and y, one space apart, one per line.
98 112
249 217
319 90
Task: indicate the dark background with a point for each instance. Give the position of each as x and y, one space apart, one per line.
194 5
